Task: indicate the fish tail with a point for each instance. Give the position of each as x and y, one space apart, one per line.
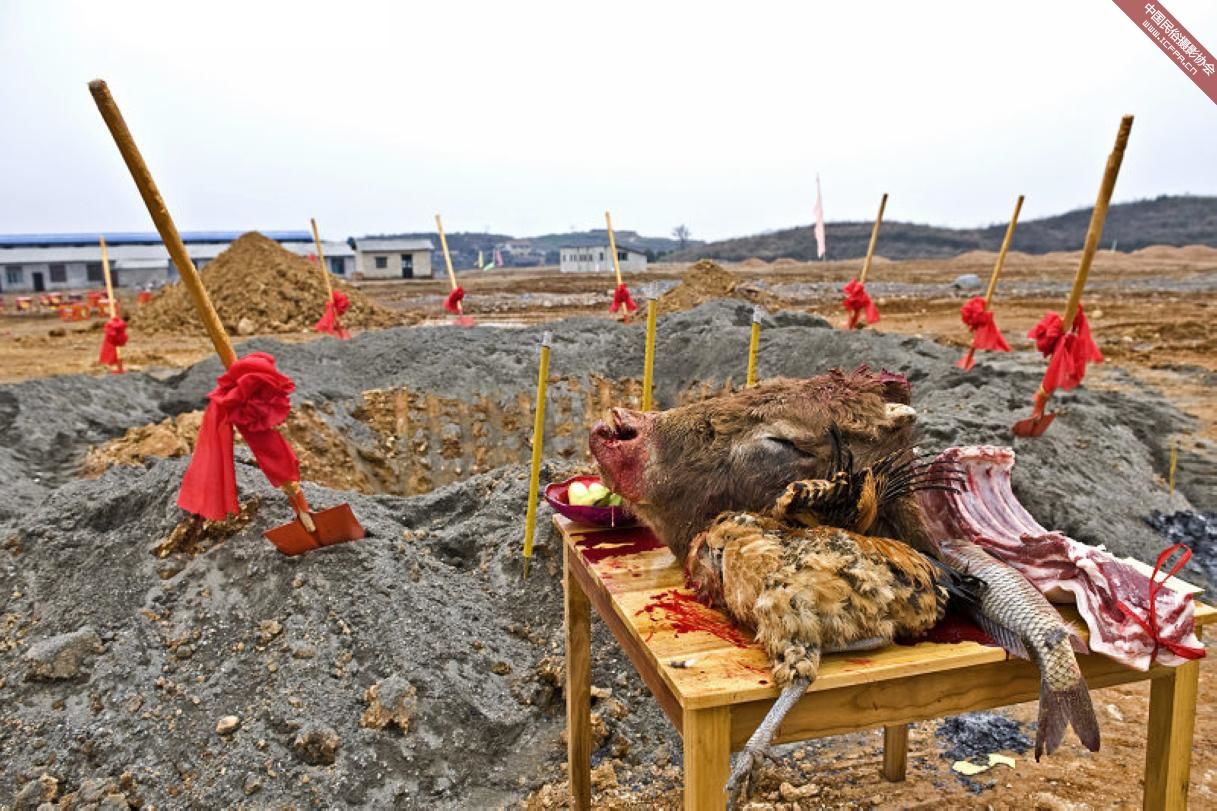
1060 709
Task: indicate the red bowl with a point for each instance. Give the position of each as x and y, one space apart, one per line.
556 495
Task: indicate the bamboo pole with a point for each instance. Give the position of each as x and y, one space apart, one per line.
608 222
874 237
1095 231
1001 256
754 344
1038 422
105 270
161 219
648 359
967 361
177 251
443 241
538 440
325 273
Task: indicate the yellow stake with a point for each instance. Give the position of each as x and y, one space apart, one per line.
648 358
105 269
443 241
754 344
608 222
1005 248
874 237
538 438
325 273
1174 464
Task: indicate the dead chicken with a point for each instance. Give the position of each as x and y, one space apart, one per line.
808 588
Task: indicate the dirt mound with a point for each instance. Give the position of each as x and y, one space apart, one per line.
704 281
976 257
1172 253
259 287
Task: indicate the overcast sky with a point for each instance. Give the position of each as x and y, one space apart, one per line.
530 117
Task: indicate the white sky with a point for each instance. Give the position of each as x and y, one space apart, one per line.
529 117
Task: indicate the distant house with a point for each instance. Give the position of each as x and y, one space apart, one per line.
521 253
593 258
45 262
393 259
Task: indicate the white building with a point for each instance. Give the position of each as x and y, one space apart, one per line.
598 258
394 259
45 262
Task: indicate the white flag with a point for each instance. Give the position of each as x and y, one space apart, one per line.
819 220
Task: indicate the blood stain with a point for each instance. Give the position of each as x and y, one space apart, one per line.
685 614
617 543
951 630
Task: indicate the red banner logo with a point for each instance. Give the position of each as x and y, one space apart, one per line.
1176 42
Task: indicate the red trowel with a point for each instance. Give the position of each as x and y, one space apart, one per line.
310 530
1038 422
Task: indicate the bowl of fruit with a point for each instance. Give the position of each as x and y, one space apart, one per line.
586 500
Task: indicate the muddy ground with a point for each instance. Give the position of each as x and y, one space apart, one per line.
172 629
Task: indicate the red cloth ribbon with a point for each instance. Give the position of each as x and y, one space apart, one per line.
1155 585
857 302
453 303
252 396
976 315
115 336
622 298
1069 352
338 304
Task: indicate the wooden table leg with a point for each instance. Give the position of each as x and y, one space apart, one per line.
578 687
895 752
707 744
1168 755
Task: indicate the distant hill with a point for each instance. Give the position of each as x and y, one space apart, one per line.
1166 220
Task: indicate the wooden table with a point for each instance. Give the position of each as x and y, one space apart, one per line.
715 686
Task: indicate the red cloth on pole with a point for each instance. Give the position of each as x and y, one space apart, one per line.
979 319
115 336
453 303
1069 352
338 304
622 298
857 302
252 397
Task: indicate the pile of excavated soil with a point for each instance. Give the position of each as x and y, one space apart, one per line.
149 658
705 281
257 286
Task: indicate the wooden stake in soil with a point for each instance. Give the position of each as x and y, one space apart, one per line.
1038 422
333 525
538 440
754 345
856 300
325 273
621 295
453 303
105 270
968 359
648 358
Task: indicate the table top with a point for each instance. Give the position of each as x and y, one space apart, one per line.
701 657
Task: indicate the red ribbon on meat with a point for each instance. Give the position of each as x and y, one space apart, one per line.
857 302
338 304
1155 585
976 315
1069 352
115 336
622 298
453 303
252 397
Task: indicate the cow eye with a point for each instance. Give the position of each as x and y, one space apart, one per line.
783 443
